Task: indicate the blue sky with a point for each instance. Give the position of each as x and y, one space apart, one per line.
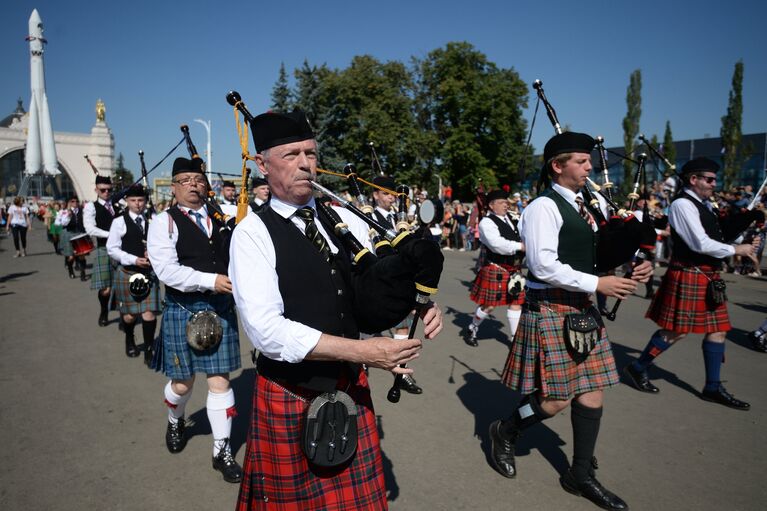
160 64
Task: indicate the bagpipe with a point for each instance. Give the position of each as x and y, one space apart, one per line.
115 198
390 284
622 237
145 184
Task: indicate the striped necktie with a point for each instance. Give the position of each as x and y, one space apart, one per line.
318 240
582 210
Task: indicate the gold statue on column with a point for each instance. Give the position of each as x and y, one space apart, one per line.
101 111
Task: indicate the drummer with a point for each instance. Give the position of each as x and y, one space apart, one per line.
70 219
126 245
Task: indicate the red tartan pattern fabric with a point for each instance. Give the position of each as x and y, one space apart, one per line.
539 359
278 476
490 287
680 304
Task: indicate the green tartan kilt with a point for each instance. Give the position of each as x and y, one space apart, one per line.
539 359
103 269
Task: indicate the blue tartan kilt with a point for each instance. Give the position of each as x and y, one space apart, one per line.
125 301
103 269
180 361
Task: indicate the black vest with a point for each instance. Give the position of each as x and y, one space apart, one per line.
681 252
195 249
384 220
314 293
134 241
103 221
76 223
509 233
577 245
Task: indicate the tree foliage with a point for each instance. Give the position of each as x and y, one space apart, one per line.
669 149
631 121
732 137
123 177
281 93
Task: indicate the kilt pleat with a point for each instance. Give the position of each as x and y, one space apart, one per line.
539 359
65 242
125 301
490 287
103 269
680 303
278 476
180 361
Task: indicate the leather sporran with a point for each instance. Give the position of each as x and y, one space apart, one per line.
581 334
204 330
329 437
716 292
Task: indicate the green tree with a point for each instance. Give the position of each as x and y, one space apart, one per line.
631 121
669 149
732 147
123 177
281 92
472 111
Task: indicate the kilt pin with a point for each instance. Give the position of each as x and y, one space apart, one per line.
539 359
277 473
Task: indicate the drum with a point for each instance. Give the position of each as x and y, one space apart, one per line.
81 244
430 211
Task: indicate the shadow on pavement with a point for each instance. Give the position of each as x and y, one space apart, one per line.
475 393
490 324
756 307
14 276
390 480
625 355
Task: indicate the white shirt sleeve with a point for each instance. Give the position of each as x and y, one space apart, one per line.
491 237
114 243
260 307
161 248
539 228
89 221
684 218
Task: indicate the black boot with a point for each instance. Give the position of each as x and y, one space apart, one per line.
592 490
175 440
148 328
224 462
70 269
130 346
504 434
104 304
408 384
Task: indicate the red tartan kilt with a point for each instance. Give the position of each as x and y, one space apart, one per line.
680 304
278 476
490 287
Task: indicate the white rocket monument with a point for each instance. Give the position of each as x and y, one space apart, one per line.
41 150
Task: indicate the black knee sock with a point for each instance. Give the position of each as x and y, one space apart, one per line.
585 423
129 328
104 302
70 263
148 328
528 413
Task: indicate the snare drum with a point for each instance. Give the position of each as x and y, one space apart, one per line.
81 244
430 212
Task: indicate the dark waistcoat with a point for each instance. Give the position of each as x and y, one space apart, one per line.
577 241
103 221
681 252
314 293
506 232
76 223
134 241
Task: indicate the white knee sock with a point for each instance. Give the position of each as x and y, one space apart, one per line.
221 410
176 404
513 316
479 316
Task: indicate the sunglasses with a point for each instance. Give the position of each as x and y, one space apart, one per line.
102 190
707 179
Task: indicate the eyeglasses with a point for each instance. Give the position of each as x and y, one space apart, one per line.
707 179
191 181
103 190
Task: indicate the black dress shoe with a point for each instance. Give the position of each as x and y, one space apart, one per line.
224 462
148 356
721 396
131 350
83 278
175 440
72 275
502 451
758 342
639 380
594 491
470 335
103 319
408 384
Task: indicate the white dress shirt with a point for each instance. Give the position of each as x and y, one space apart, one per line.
64 216
392 219
539 228
252 270
161 247
684 218
89 220
229 208
490 236
114 241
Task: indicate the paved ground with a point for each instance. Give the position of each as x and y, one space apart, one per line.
83 426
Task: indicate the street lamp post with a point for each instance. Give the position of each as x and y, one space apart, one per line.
208 153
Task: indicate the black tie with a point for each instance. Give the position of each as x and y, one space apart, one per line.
140 223
318 240
391 219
